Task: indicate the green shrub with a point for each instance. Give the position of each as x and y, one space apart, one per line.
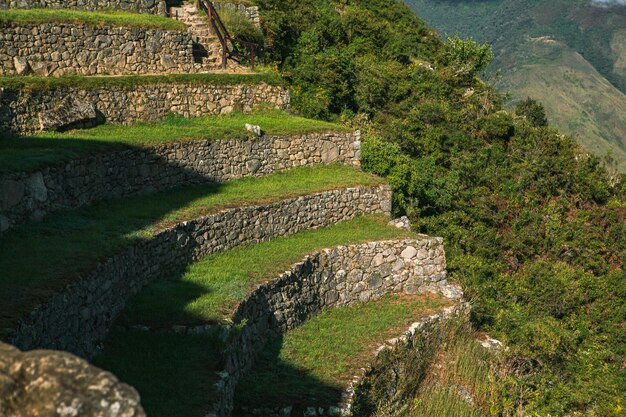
239 26
533 112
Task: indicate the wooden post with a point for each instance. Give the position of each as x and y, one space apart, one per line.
224 53
210 13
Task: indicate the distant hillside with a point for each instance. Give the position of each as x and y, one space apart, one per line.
581 78
578 99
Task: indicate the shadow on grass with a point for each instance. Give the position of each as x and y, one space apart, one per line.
28 153
274 383
175 370
39 259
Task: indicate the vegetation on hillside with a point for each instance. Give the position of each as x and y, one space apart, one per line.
534 226
566 53
458 376
588 29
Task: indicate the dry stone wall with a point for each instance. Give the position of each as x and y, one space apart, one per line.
383 386
58 49
23 110
30 196
78 318
331 278
158 7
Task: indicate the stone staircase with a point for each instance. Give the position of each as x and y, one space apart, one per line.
207 49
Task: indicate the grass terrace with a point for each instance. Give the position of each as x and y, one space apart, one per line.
97 18
207 292
313 364
33 152
68 244
34 82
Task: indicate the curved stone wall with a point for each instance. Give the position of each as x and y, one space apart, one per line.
26 110
47 383
158 7
30 196
331 278
398 358
77 318
76 49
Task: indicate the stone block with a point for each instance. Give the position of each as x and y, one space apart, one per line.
12 193
37 187
409 252
61 382
21 65
69 112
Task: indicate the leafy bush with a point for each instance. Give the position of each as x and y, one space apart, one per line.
533 112
239 26
534 226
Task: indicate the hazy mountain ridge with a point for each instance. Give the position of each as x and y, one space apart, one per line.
591 48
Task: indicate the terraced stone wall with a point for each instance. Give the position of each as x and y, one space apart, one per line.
78 318
31 196
331 278
23 110
56 49
157 7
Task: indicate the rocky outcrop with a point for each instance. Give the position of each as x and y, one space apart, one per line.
20 109
70 112
54 384
29 196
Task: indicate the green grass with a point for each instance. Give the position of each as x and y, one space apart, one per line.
208 291
33 82
166 368
34 152
99 18
312 364
461 367
37 260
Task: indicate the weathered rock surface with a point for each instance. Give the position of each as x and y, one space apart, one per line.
70 112
56 384
401 223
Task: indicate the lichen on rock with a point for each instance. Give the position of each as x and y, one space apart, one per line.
57 384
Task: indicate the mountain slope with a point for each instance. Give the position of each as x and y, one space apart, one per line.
591 49
578 99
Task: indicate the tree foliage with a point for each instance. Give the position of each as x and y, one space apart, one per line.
534 229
